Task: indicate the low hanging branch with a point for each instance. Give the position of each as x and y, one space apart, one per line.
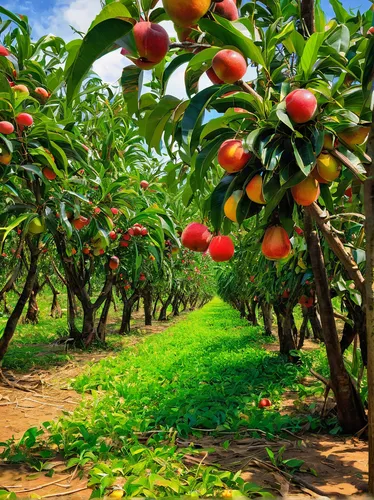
347 162
337 247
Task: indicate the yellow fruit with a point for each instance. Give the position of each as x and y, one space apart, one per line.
5 158
36 226
232 204
354 136
328 166
185 13
328 141
254 190
116 494
306 192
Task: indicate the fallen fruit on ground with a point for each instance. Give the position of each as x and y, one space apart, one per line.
232 157
196 237
229 65
264 403
276 244
221 248
301 105
306 192
329 168
254 190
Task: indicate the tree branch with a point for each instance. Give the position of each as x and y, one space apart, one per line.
337 247
347 162
247 88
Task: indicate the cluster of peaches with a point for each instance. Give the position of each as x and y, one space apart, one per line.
198 238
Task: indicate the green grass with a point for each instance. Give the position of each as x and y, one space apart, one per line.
206 372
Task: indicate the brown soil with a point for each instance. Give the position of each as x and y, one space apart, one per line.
341 464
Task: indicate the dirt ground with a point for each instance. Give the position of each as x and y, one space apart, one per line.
340 464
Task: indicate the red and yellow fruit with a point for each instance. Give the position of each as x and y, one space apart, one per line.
152 44
213 77
231 205
24 119
328 167
5 158
49 174
43 93
114 263
306 192
21 89
144 185
264 403
232 157
276 244
4 51
196 237
80 223
254 190
229 65
354 136
6 128
227 9
221 248
301 105
185 13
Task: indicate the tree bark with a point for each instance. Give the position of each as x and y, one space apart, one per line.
15 316
369 229
128 304
351 414
267 318
56 311
337 247
287 341
147 302
101 329
32 315
307 15
164 308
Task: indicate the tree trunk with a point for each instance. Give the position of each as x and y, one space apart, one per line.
72 312
14 318
154 314
147 302
126 318
9 285
303 328
176 305
32 315
369 229
267 318
101 329
315 323
351 414
287 341
88 330
164 308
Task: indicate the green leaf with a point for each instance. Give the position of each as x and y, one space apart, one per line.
198 65
131 84
368 71
157 120
229 35
293 463
172 66
310 53
95 44
327 198
304 155
341 14
217 201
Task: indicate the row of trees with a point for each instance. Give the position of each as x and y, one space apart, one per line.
292 143
83 204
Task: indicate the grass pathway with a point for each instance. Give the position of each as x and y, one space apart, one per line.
207 372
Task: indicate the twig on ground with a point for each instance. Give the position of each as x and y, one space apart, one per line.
65 493
14 385
41 486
